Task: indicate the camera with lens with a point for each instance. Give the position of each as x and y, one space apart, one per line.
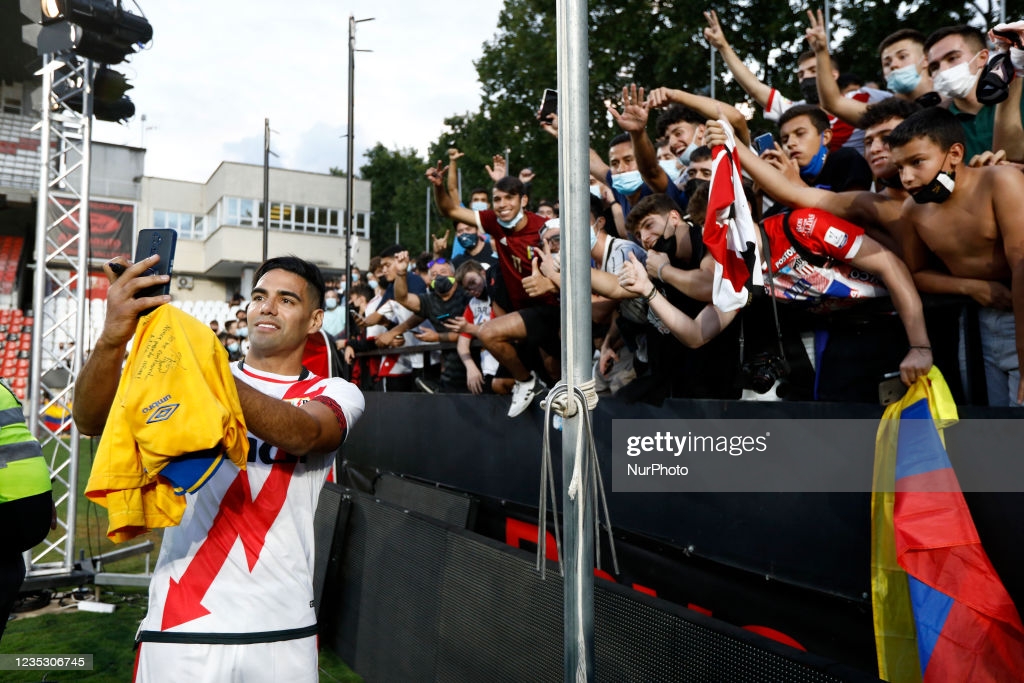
762 371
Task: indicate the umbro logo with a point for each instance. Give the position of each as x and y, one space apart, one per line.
163 413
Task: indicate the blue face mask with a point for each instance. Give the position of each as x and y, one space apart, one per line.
467 240
243 332
478 206
903 80
628 182
671 168
685 156
593 237
331 304
372 283
233 347
811 170
508 225
595 190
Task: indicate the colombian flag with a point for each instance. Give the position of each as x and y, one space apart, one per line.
940 611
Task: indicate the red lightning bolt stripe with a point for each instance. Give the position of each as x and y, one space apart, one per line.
239 516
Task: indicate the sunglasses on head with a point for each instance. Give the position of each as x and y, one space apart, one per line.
437 261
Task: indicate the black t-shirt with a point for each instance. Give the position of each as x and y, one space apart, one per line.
486 258
845 169
437 310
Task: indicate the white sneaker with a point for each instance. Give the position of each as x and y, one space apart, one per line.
523 394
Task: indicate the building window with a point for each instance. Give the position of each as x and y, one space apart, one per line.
186 225
362 224
238 211
315 220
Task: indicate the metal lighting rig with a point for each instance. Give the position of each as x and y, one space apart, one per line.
77 40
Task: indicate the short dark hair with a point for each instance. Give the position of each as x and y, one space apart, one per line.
697 207
675 113
849 78
903 34
889 108
819 119
702 153
938 124
304 269
620 139
974 38
392 251
596 207
422 263
511 185
660 204
809 54
361 289
478 190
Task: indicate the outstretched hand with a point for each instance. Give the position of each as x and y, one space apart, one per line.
402 262
441 243
499 169
815 34
633 118
435 174
713 33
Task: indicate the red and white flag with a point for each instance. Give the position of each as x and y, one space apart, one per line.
729 229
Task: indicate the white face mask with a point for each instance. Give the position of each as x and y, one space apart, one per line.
956 82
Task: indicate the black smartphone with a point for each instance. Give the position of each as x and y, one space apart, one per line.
151 241
548 105
1011 36
441 317
763 143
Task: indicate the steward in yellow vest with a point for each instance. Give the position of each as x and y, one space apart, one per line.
26 502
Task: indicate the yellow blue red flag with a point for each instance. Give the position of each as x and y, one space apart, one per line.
941 612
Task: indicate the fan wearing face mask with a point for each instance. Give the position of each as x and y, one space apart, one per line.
903 66
774 102
971 219
473 245
956 58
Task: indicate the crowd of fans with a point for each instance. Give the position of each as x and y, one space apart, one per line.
891 224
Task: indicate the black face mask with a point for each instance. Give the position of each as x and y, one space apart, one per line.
809 89
938 190
665 245
442 284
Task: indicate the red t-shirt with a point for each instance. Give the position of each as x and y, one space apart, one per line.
516 249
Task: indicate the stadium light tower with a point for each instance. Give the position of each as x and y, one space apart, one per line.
77 40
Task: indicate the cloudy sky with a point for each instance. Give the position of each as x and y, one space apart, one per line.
215 70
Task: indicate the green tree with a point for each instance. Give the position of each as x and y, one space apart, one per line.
398 196
655 43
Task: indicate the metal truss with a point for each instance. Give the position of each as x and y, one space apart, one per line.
59 297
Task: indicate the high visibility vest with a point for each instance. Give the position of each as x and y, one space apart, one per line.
23 470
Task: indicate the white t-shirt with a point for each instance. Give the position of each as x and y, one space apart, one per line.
241 561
